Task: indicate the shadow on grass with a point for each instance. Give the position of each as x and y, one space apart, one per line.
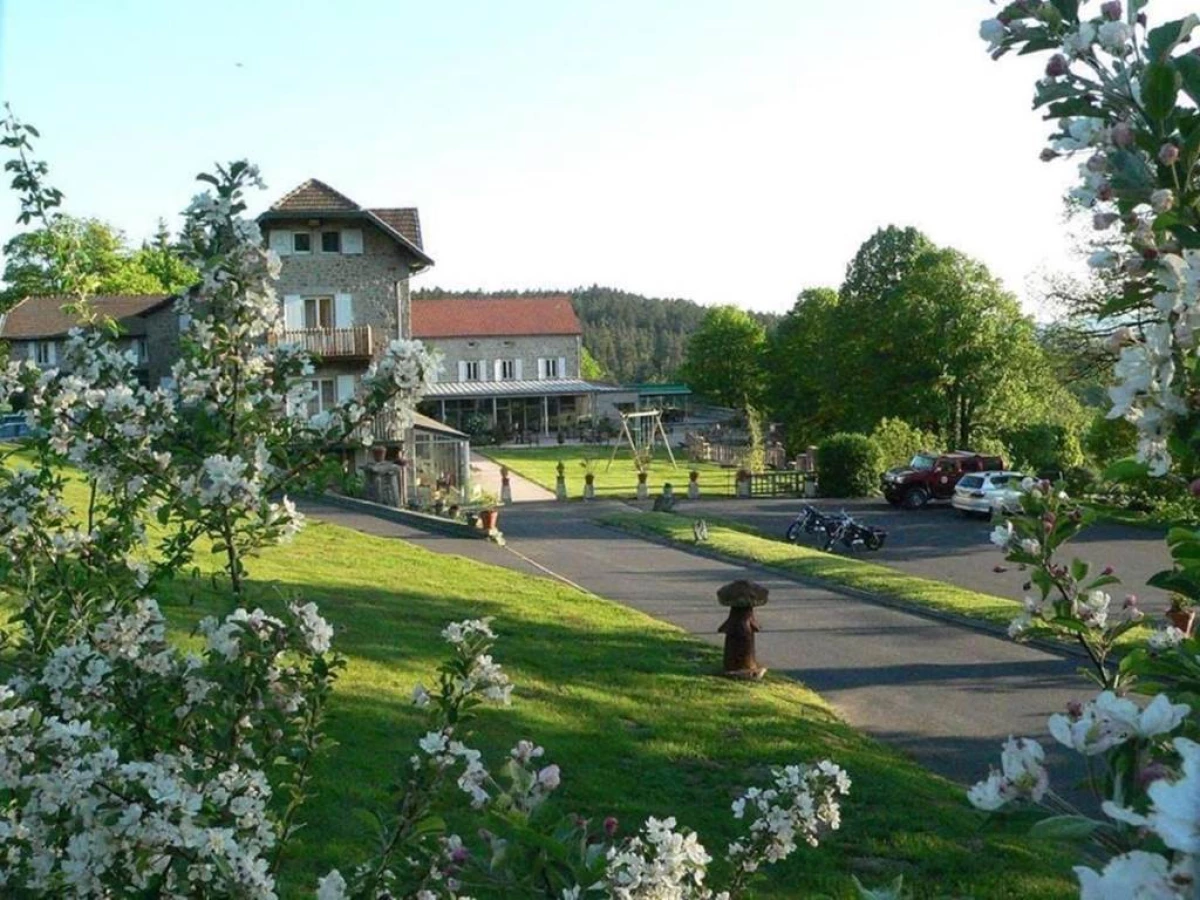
632 711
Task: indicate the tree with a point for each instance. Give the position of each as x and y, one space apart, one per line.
73 251
798 368
724 360
589 368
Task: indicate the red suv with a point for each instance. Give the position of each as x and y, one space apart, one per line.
932 476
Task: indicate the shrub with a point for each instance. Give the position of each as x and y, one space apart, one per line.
1081 481
848 465
898 441
1108 440
476 425
1044 447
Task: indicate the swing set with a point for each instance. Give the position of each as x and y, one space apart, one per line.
649 428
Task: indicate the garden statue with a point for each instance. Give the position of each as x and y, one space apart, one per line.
741 597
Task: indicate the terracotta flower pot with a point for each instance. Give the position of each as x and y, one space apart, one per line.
378 452
642 476
488 517
694 475
589 478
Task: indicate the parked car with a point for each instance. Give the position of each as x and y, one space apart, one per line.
933 476
988 493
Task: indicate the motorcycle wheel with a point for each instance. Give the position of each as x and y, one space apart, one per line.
793 532
873 541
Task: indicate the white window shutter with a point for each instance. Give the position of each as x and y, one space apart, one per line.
352 241
462 370
293 311
345 388
343 311
517 369
51 352
562 367
281 242
541 368
497 369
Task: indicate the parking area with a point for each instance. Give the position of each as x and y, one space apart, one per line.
939 542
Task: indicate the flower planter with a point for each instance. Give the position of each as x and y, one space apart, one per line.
378 452
488 517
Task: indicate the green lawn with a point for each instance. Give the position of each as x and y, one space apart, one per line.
628 706
746 543
620 480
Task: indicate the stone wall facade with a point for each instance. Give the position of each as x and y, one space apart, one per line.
376 279
162 343
528 350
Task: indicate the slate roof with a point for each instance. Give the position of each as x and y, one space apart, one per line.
43 317
315 198
489 316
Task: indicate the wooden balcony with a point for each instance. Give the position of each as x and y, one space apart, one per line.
333 343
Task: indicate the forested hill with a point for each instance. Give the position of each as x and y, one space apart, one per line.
634 338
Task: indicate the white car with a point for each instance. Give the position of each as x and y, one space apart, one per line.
988 493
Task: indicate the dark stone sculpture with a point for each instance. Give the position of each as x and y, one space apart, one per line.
741 597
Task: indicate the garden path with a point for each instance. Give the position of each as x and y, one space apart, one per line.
948 695
486 474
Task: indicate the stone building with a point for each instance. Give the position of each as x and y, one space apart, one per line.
37 327
344 282
514 360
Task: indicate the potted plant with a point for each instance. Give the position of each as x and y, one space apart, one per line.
1182 613
378 452
694 475
589 476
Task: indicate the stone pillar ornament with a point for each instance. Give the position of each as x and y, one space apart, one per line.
505 486
693 485
560 483
741 597
643 491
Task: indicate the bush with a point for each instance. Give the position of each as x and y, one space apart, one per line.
848 465
476 424
1081 481
1044 448
1108 440
898 441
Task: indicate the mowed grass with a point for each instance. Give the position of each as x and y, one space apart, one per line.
743 542
628 706
538 464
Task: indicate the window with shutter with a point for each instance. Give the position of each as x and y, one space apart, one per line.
301 242
281 242
352 241
331 242
343 311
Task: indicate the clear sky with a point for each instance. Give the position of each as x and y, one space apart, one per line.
726 152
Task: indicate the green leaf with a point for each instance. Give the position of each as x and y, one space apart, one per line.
1065 828
1188 67
1163 40
1068 9
1128 469
1079 569
1160 88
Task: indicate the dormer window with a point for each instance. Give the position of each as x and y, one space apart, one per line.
301 242
331 242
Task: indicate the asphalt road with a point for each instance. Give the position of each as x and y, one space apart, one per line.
939 542
946 694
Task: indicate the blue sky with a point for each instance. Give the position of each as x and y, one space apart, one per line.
724 152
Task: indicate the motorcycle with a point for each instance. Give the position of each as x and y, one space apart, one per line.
852 533
809 520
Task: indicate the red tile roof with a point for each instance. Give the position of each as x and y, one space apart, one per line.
43 317
314 197
485 316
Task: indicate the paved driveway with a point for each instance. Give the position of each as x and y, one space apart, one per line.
939 542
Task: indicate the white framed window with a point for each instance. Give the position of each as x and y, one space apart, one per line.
331 242
472 370
141 350
325 395
550 367
43 353
508 369
318 312
301 242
